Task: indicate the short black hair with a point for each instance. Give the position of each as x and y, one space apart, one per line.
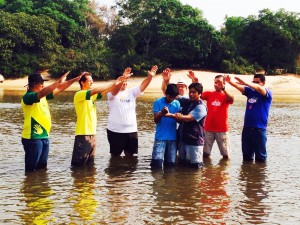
197 86
172 90
262 77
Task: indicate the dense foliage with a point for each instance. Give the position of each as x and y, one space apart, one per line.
78 35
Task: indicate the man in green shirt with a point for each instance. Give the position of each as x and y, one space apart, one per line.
84 101
37 118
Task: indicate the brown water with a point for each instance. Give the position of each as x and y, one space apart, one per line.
127 192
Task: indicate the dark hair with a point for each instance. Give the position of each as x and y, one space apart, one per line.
260 76
197 86
83 77
218 76
172 90
35 78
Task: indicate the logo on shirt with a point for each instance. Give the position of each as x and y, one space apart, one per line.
252 100
216 103
123 99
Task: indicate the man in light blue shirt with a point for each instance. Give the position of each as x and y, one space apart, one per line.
164 148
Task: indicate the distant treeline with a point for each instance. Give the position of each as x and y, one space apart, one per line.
80 36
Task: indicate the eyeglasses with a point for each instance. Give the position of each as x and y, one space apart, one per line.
256 82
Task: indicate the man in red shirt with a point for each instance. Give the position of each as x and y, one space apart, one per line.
216 124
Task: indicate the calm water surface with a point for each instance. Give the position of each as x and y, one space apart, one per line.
127 192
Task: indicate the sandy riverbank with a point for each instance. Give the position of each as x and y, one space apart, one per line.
280 85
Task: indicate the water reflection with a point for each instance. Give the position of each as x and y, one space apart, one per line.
194 196
123 191
253 184
37 196
214 198
120 189
82 195
171 191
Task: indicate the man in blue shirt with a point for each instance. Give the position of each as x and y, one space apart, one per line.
259 99
164 148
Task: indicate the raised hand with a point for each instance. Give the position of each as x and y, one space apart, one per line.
153 70
127 71
166 75
240 81
63 77
192 76
125 76
227 78
79 76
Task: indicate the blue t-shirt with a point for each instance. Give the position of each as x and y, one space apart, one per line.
257 108
166 127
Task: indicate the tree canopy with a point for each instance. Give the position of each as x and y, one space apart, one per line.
79 35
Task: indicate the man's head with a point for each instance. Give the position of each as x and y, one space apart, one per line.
86 81
171 92
219 82
195 91
36 80
259 79
182 86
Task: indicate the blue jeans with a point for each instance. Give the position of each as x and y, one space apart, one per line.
36 153
164 153
254 141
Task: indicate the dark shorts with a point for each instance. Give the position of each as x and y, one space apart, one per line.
84 150
122 141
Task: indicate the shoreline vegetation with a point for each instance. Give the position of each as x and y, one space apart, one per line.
279 84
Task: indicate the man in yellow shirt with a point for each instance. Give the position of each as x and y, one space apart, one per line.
85 134
37 118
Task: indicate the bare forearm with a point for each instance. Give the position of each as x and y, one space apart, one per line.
260 89
63 86
164 86
229 96
47 90
241 88
103 90
145 83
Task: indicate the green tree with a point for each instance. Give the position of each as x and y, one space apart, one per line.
27 42
165 30
273 41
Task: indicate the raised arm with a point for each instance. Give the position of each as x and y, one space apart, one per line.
116 85
259 88
148 79
126 74
64 85
166 74
192 76
50 88
229 96
238 86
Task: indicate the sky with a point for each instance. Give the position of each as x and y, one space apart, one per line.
216 10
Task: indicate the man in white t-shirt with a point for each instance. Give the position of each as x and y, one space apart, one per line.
122 123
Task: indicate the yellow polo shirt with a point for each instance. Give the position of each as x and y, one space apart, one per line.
86 112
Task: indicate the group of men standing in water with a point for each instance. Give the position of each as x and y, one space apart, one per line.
184 123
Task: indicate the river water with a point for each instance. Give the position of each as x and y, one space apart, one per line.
127 192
